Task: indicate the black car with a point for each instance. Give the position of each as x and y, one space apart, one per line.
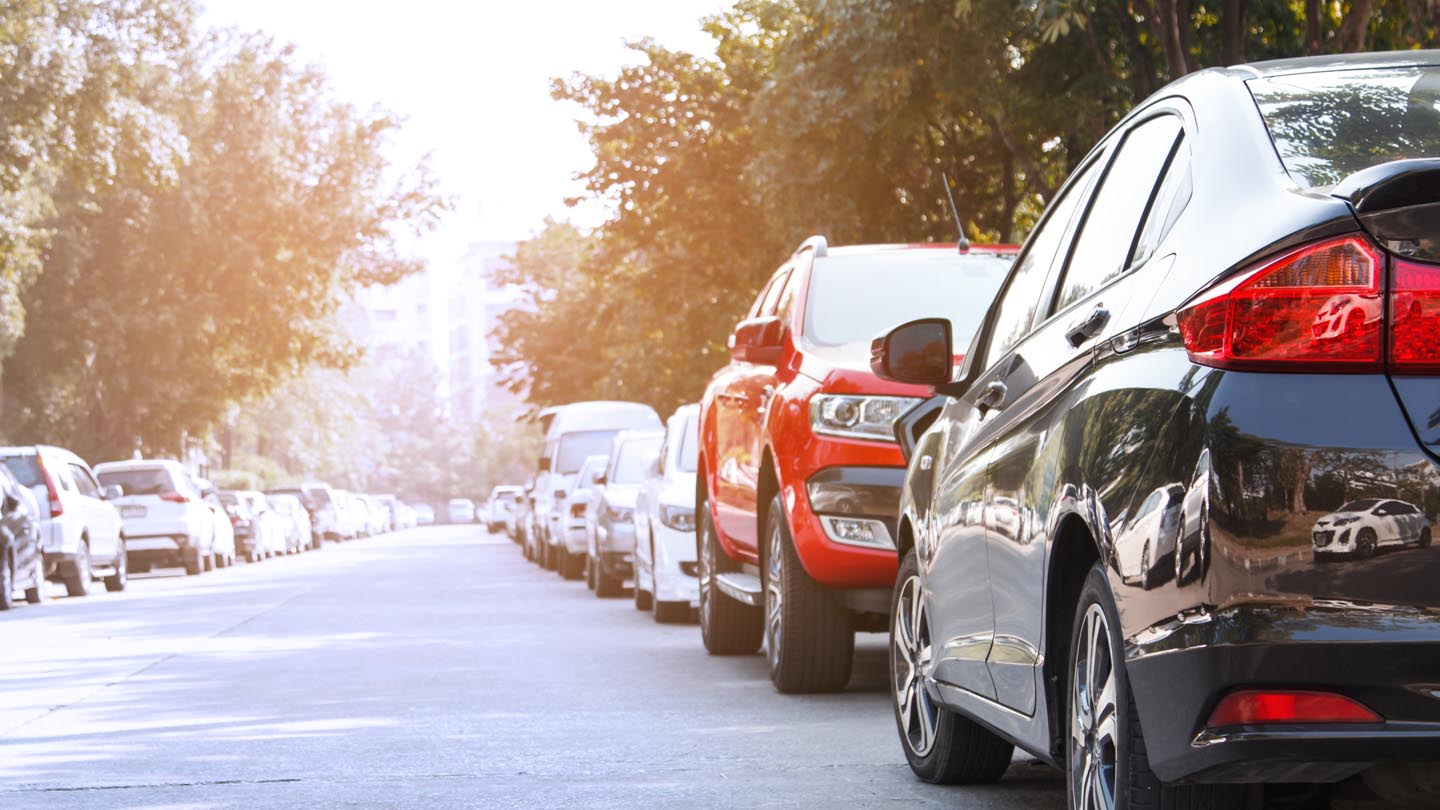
22 566
1225 327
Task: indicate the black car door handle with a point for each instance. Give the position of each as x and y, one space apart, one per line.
992 398
1090 327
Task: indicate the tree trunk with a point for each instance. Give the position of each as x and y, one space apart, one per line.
1232 31
1351 37
1169 19
1314 33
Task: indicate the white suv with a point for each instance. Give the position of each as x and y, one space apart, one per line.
80 531
167 522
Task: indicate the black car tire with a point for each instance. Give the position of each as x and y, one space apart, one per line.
589 572
1365 543
672 612
572 566
959 751
644 600
194 563
1147 569
7 582
606 586
809 634
1135 786
35 594
116 581
77 579
1425 537
552 557
727 627
210 561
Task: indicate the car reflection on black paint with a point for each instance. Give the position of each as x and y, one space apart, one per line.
1145 550
1364 527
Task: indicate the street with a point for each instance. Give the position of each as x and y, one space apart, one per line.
427 668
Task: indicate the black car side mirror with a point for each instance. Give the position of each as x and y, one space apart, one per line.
918 353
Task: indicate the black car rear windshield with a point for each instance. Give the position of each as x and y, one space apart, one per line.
856 297
1327 126
145 481
578 446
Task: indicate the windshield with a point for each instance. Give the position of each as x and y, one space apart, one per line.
857 297
1327 126
26 470
635 456
578 446
690 446
151 481
1359 506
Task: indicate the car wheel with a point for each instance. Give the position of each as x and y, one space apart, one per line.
809 637
942 747
35 594
572 566
77 582
209 561
1146 577
589 572
1107 763
116 581
7 582
1425 537
606 586
727 626
644 600
1365 543
194 563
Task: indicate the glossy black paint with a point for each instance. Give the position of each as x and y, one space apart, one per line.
1006 504
20 534
872 492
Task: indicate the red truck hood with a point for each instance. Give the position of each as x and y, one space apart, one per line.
845 369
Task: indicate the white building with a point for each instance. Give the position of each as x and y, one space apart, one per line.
403 315
474 304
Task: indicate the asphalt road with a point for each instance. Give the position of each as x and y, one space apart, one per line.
428 669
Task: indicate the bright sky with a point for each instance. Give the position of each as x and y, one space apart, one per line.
472 79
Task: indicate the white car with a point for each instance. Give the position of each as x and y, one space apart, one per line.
167 522
612 518
500 509
80 531
460 510
259 530
665 566
1361 528
583 495
1145 551
296 521
352 516
319 502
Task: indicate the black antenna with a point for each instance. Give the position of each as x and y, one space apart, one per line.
962 242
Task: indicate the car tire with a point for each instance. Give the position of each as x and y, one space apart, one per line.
589 572
209 561
1104 715
116 582
727 626
672 612
606 586
572 566
7 582
194 563
1425 537
552 557
644 600
1365 543
942 747
809 635
35 594
1147 576
77 580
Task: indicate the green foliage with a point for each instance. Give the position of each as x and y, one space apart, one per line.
168 295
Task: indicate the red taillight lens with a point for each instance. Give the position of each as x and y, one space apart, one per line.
1314 309
1259 708
577 510
174 497
1414 318
52 493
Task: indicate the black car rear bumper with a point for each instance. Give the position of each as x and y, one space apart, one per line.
1387 659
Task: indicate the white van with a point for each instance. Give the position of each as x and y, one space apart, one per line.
573 433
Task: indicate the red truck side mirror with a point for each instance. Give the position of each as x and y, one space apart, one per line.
758 340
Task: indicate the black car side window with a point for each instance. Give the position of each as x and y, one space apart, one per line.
1107 238
1021 300
772 294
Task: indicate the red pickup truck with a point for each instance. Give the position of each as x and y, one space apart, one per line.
799 475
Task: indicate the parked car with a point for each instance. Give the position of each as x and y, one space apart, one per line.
259 530
294 520
391 506
1362 528
319 501
1162 313
800 471
460 510
666 570
377 516
80 530
573 433
405 516
1145 550
612 519
166 521
500 509
424 514
22 563
354 517
224 530
580 501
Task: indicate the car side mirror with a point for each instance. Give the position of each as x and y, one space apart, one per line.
112 492
758 340
918 353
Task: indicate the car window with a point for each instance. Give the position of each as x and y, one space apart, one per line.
84 483
759 304
663 456
1107 236
1170 201
631 461
141 481
1015 312
772 293
690 446
580 445
786 304
26 469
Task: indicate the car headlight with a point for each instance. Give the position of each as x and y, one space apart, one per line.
679 518
858 417
617 514
1345 521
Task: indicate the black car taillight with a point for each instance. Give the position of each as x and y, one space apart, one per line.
1317 308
